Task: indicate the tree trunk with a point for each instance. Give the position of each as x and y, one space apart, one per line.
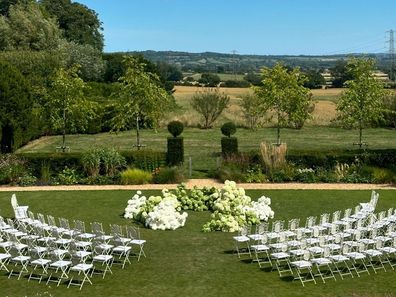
64 132
137 133
360 134
278 143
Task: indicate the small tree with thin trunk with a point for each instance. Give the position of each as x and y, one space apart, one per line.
140 97
209 103
361 104
283 93
65 102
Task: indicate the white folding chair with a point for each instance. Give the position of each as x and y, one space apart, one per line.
242 238
340 263
97 229
134 234
19 260
79 226
302 266
323 261
76 270
261 251
40 266
102 257
59 269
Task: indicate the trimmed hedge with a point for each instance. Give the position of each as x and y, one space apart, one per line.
175 155
144 159
229 145
380 158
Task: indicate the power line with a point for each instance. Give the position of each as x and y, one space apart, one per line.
391 52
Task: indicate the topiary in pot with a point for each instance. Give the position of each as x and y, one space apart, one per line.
175 153
229 145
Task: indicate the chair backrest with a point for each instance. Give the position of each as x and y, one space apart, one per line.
242 231
262 228
20 212
264 238
293 224
345 249
116 230
361 247
51 221
379 244
334 229
357 235
277 226
326 252
322 240
357 209
97 228
64 223
347 212
299 234
31 215
324 218
41 218
373 233
310 222
381 215
132 232
337 238
336 216
389 212
14 201
79 226
315 232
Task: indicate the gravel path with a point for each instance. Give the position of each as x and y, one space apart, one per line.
210 183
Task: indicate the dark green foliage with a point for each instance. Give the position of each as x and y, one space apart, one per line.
229 145
168 175
145 159
253 78
340 73
175 128
315 80
209 80
228 129
79 23
175 153
236 84
15 109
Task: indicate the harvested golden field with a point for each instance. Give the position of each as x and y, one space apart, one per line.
323 113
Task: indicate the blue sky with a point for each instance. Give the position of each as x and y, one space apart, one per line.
279 27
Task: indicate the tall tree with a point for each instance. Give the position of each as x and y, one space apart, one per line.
361 103
79 23
15 108
67 107
141 97
27 28
283 93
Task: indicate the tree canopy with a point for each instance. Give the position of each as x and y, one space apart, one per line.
141 96
361 103
28 28
283 93
79 23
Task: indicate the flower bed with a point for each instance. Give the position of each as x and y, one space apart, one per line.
231 207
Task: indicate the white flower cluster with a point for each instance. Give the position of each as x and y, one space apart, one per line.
156 212
262 208
305 170
194 199
234 209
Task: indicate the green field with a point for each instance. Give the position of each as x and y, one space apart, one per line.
187 262
203 146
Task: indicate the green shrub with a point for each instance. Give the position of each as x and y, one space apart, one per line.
91 161
27 180
228 129
168 175
175 153
12 168
383 176
230 172
305 175
286 173
145 159
68 176
135 176
112 161
175 128
229 146
45 174
255 175
101 180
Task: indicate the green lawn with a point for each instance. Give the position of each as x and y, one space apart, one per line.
204 145
187 262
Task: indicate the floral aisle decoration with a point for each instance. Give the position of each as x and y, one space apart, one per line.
156 212
234 209
231 207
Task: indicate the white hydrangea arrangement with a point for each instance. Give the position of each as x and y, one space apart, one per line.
156 212
231 207
194 199
234 209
